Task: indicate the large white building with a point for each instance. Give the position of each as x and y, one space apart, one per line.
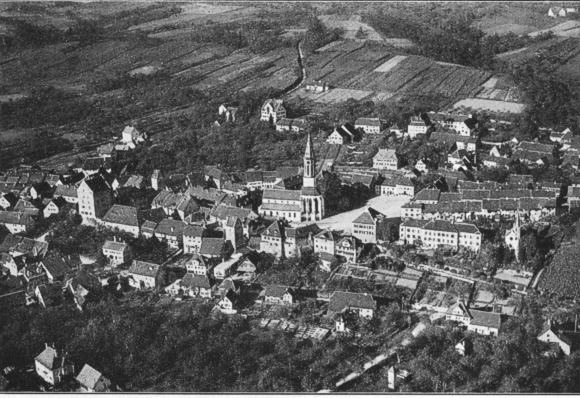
435 233
95 198
385 159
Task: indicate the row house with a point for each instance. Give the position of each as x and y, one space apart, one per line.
331 243
435 233
170 231
180 204
299 238
396 187
192 237
461 142
16 222
122 218
192 285
67 192
283 241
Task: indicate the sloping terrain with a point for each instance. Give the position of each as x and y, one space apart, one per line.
372 70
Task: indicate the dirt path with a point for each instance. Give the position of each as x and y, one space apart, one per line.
294 86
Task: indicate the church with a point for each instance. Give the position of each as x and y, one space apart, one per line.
296 206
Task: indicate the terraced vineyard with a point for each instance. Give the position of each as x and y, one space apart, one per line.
378 72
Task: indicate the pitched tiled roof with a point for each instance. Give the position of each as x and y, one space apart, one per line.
97 163
476 194
144 268
427 194
223 212
536 147
385 154
486 319
369 216
440 225
171 227
466 228
368 121
273 230
124 215
56 264
340 301
277 291
116 246
280 207
49 358
211 247
279 194
449 197
191 280
89 377
193 231
97 183
302 231
14 217
414 223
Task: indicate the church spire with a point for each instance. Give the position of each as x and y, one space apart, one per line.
308 152
309 164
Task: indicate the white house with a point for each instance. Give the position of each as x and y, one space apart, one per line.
417 127
272 110
281 295
370 125
385 159
52 366
143 275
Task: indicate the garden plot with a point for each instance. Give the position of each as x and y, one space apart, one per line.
490 105
390 64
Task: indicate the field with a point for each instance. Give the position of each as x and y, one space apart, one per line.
351 26
375 71
565 29
195 13
489 105
515 17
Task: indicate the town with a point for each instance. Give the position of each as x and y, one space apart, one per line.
381 241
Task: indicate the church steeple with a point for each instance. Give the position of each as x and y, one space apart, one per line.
309 165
